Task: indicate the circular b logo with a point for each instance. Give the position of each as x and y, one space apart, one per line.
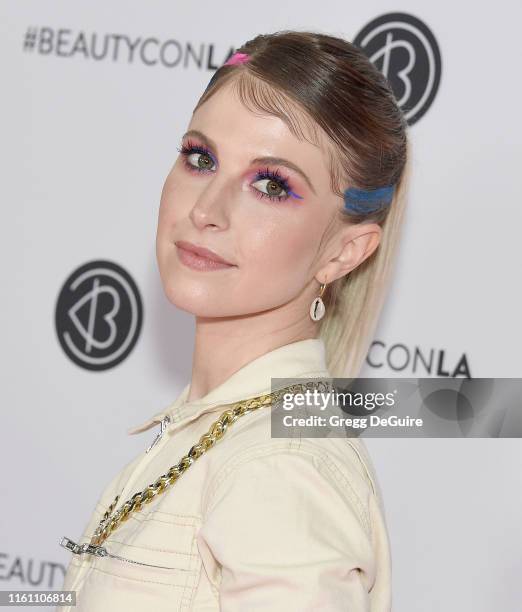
406 52
98 315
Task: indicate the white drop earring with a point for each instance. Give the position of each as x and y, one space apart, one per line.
317 309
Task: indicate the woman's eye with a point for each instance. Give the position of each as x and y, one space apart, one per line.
270 188
201 161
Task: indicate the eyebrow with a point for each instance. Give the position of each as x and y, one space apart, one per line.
276 161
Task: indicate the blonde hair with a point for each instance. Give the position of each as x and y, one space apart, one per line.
355 301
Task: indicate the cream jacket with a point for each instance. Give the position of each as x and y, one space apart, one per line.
256 523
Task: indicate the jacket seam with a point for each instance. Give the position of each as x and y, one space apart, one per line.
344 482
363 462
168 584
154 549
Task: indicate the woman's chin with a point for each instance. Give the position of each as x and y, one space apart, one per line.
200 303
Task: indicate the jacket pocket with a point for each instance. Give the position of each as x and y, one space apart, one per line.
152 561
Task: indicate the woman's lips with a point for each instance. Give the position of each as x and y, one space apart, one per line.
199 262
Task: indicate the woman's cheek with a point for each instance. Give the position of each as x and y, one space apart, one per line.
260 240
273 249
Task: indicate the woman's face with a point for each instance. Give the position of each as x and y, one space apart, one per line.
217 196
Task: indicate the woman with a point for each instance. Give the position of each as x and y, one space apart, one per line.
292 176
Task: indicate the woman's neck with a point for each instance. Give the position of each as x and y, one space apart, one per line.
223 346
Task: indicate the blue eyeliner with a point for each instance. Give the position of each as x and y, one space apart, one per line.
294 195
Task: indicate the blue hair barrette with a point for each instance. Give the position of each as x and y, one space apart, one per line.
361 201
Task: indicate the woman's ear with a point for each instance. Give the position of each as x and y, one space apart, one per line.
353 244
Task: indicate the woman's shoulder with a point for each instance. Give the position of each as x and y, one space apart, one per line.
254 436
338 464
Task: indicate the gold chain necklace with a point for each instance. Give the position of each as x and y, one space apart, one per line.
109 523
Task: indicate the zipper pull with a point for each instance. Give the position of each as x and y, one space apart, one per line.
100 551
79 549
163 423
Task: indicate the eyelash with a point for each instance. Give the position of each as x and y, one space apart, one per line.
266 173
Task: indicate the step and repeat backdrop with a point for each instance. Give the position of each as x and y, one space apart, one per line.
95 98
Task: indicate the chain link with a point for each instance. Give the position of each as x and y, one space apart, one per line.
217 430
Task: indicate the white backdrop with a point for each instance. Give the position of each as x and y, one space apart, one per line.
85 147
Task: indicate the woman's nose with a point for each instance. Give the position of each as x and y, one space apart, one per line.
213 204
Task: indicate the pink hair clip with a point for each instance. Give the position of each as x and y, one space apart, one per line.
237 58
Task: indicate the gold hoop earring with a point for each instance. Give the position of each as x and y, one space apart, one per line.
317 308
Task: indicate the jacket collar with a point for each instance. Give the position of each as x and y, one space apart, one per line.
304 358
